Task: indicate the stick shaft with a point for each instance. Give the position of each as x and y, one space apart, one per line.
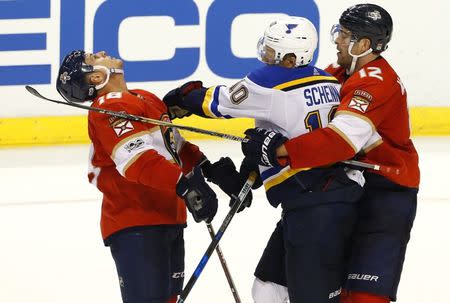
131 117
209 251
33 91
223 262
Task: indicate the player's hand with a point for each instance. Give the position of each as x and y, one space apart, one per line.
262 145
247 166
224 174
173 99
200 199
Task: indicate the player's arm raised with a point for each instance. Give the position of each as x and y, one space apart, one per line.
243 99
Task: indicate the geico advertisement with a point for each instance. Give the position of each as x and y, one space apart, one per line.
166 42
146 35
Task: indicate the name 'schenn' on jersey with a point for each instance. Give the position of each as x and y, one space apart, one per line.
292 101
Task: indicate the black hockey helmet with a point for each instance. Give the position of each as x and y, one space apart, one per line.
369 21
71 82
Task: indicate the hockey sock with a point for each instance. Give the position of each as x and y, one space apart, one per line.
361 297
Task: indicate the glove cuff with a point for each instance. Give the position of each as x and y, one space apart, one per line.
182 186
205 166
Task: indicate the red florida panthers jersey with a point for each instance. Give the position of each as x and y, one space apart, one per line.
372 121
137 165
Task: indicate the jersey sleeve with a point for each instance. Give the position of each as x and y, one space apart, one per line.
137 149
243 99
190 154
364 104
353 128
367 98
320 147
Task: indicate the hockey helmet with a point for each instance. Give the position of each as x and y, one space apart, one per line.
288 35
71 82
368 21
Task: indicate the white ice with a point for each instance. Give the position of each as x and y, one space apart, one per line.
51 249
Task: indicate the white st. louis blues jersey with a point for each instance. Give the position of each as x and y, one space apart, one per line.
292 101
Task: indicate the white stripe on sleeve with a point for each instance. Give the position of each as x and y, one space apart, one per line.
128 150
354 129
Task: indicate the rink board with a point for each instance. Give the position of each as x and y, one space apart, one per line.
425 121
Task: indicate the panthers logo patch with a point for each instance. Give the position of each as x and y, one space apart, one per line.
359 103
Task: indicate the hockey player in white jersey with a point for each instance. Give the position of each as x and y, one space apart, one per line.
307 251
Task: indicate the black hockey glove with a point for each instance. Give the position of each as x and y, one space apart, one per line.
200 199
174 97
262 145
224 174
247 166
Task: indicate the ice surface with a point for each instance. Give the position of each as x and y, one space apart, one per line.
51 249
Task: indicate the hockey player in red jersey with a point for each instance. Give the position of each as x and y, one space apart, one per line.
148 174
372 124
304 259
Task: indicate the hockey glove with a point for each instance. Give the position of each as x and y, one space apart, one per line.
200 199
224 174
174 97
262 145
247 166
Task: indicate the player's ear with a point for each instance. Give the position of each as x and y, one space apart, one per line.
289 60
364 44
95 78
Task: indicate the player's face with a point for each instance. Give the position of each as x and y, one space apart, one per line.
101 58
269 55
342 41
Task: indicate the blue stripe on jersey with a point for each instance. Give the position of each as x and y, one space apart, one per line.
215 102
294 183
270 76
270 172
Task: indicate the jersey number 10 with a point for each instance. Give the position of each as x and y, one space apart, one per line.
313 121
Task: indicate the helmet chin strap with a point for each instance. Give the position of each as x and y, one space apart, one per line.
108 72
355 57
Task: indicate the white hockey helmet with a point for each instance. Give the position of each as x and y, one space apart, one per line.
290 34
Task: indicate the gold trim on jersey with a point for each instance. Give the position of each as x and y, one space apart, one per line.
343 136
282 176
122 142
305 81
136 157
131 161
207 102
373 145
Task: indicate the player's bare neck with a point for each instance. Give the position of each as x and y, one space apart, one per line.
110 87
117 84
366 59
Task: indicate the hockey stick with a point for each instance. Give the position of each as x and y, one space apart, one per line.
131 117
209 251
382 168
33 91
224 265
